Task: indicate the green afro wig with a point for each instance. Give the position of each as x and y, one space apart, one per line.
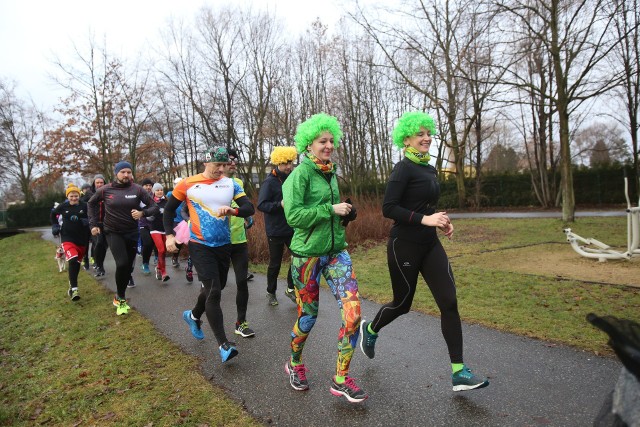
409 124
311 128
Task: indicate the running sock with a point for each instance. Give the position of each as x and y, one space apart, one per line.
371 331
295 363
455 367
339 379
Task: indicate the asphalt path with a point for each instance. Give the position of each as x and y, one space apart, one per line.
532 382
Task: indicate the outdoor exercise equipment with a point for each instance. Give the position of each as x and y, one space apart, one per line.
592 248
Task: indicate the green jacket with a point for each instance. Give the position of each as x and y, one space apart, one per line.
308 206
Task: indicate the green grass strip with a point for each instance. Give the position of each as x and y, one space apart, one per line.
67 363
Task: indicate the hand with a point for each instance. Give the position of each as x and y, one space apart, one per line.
447 230
55 229
136 214
226 211
170 243
95 231
438 219
342 209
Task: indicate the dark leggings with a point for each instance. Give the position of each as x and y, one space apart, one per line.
147 244
276 249
212 266
100 248
123 248
406 259
240 261
74 270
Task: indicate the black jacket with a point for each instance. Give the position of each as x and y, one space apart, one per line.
269 203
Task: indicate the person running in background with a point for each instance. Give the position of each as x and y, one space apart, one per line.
239 253
209 196
158 234
98 242
147 244
414 247
175 257
121 201
74 234
84 191
279 233
313 208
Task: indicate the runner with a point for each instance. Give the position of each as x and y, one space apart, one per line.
121 200
208 196
74 234
147 244
279 233
158 235
98 242
414 247
312 207
239 254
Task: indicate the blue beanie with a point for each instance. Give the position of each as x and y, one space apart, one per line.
122 165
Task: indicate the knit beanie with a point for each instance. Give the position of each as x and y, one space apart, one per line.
157 186
98 176
146 181
71 188
122 165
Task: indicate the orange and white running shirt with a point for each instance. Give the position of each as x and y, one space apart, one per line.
204 196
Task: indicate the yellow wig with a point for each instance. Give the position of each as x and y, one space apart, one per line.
281 155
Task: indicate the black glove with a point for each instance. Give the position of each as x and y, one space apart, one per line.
55 229
351 216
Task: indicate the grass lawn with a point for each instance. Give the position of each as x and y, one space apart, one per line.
65 364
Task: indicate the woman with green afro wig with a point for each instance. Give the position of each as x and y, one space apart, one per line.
414 248
311 128
313 208
409 124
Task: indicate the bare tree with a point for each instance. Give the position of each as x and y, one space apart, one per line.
576 35
21 140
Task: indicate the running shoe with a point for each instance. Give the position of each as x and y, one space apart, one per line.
165 278
158 274
121 306
194 325
131 284
291 294
249 277
174 261
189 274
272 299
348 389
145 269
464 379
155 260
228 351
99 272
244 330
92 261
73 294
368 341
297 376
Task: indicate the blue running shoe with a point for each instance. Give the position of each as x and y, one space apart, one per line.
368 340
228 351
464 379
194 325
145 269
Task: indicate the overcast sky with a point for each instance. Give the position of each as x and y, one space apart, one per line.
33 32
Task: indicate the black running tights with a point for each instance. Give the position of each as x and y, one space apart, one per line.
123 248
406 259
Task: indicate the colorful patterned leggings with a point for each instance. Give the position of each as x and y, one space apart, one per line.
338 272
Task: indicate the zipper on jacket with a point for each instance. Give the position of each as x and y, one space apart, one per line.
310 233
